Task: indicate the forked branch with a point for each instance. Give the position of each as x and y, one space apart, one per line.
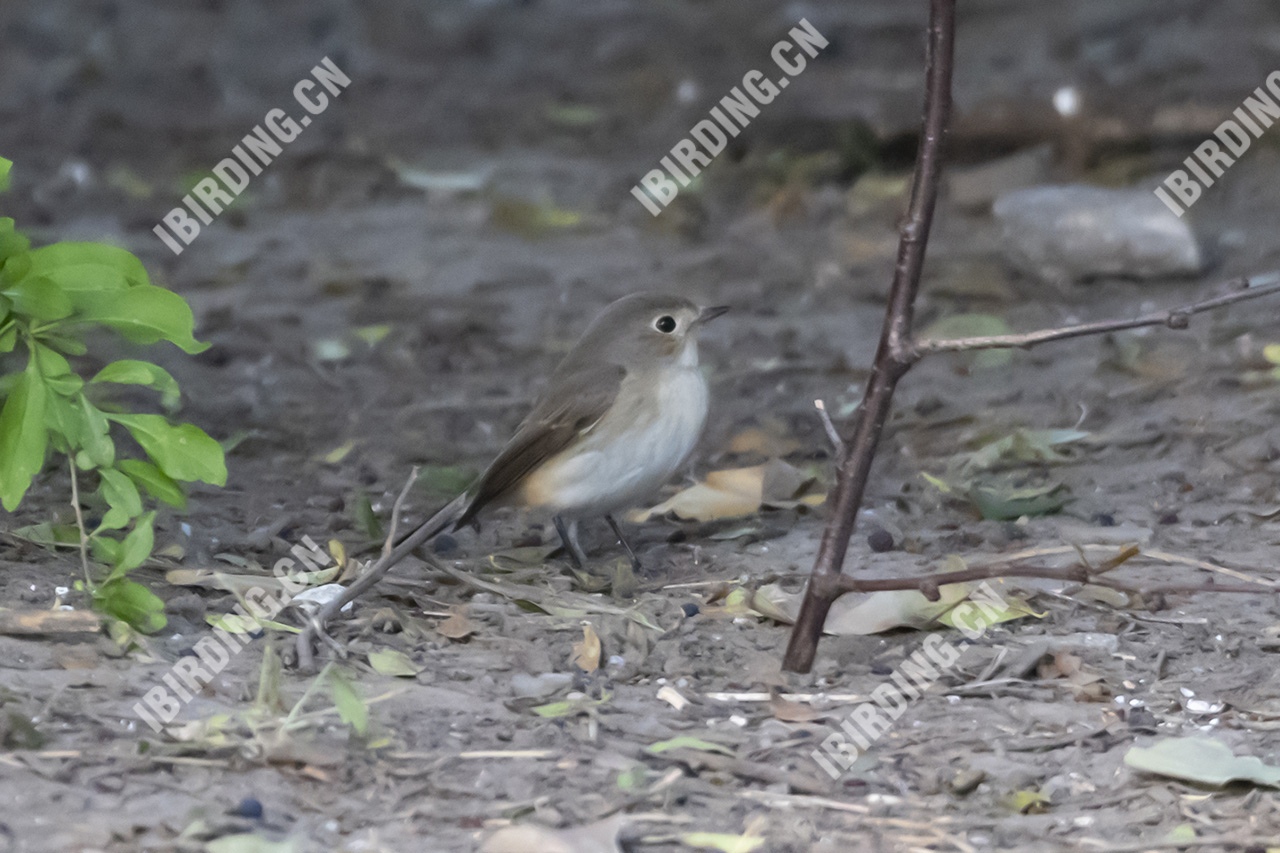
899 351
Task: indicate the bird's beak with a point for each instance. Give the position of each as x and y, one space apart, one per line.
709 314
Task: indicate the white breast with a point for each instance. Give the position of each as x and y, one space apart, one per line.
632 451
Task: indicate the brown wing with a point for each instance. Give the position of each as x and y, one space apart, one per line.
576 399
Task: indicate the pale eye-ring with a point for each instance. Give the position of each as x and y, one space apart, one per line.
665 324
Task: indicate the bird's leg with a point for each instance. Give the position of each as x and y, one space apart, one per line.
635 561
569 536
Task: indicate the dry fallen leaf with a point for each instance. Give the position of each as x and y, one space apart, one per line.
456 626
737 492
1086 684
393 662
586 654
766 442
791 712
601 837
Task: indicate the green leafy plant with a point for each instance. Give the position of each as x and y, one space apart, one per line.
49 298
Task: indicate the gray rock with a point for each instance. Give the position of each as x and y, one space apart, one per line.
1071 233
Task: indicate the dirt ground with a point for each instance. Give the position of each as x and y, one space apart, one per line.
362 324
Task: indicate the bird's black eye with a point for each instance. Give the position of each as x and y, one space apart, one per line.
665 324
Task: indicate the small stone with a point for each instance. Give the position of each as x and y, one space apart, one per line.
1075 233
880 540
444 544
966 781
1104 519
1169 518
690 609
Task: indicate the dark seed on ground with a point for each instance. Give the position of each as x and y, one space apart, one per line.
1104 519
249 807
880 540
1169 518
690 609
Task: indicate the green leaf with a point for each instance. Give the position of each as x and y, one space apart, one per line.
351 707
158 484
393 662
632 778
95 439
39 297
687 742
49 534
1000 500
1021 446
65 423
5 166
23 436
1204 760
131 602
11 242
57 371
446 481
104 549
81 267
63 340
132 372
723 841
137 546
570 707
122 497
143 314
8 338
183 452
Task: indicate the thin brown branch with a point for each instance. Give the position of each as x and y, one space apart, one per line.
395 511
895 353
1239 289
928 585
314 627
833 434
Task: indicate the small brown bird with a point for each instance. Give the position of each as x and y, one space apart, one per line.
619 416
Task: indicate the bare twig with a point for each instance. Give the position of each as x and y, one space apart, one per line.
832 433
899 351
1240 289
895 353
395 511
391 555
84 536
1079 573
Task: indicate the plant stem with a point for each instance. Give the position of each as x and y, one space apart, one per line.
84 537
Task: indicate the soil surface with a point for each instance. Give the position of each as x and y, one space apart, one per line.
392 291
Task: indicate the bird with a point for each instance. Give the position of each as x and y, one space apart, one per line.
619 415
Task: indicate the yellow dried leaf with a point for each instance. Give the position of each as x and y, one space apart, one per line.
586 654
731 493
